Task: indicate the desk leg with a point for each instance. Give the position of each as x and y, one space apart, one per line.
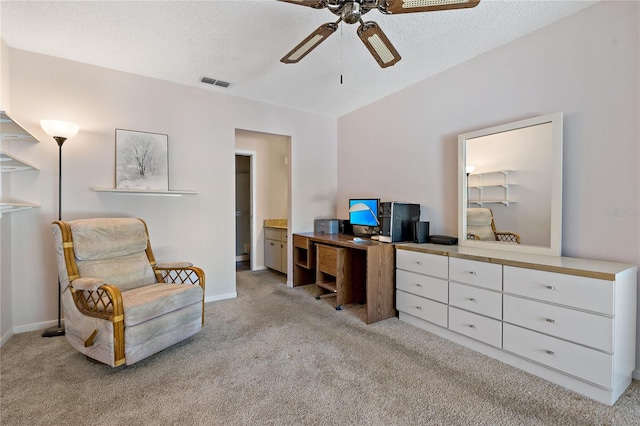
380 278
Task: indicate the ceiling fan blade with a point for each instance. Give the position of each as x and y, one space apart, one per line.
378 44
316 4
409 6
310 43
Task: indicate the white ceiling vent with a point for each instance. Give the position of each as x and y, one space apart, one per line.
214 82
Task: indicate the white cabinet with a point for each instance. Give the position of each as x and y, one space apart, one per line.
422 289
12 131
570 321
275 249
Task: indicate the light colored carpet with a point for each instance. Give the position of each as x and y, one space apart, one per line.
278 356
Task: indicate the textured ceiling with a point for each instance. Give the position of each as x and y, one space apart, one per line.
242 41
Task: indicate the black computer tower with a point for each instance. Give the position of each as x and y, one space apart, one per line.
398 221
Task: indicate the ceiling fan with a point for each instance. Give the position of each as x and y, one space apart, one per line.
351 11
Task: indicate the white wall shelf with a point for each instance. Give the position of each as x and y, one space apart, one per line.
170 193
10 130
10 163
11 206
480 201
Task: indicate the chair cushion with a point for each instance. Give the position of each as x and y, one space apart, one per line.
479 223
126 272
150 301
104 238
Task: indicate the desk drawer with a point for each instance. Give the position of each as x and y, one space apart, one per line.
474 272
476 299
420 307
423 285
423 263
585 363
581 327
330 259
584 293
481 328
301 242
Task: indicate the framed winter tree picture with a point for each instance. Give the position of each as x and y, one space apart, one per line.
142 160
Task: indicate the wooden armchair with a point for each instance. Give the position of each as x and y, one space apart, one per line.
119 305
481 226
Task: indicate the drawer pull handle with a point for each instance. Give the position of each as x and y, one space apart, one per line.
551 320
471 299
550 287
473 273
418 285
472 326
418 263
550 352
419 308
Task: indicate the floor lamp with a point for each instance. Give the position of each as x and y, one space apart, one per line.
60 131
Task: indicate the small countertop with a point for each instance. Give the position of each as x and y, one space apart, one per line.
275 223
566 265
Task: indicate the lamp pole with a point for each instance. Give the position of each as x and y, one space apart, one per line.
60 131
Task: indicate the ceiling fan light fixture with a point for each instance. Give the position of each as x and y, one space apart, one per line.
350 12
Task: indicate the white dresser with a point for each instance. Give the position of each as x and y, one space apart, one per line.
570 321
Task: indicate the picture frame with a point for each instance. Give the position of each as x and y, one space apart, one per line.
142 160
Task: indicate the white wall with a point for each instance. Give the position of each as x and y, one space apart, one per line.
201 127
6 311
585 66
272 183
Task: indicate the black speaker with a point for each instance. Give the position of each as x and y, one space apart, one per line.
422 232
345 227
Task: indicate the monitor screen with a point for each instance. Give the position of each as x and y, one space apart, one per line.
364 211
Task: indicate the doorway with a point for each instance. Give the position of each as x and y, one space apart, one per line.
243 211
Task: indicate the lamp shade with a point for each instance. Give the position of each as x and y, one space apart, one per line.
61 129
359 207
470 169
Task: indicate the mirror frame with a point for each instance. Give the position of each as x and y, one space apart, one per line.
555 247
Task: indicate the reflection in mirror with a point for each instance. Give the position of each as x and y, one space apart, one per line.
511 186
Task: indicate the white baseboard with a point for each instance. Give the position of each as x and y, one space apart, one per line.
218 297
6 338
36 326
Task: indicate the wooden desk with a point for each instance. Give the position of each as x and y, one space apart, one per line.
369 266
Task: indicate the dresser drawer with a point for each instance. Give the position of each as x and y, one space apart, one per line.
476 299
481 328
576 360
420 307
423 285
423 263
581 327
584 293
482 274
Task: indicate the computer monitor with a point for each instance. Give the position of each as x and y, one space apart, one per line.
364 211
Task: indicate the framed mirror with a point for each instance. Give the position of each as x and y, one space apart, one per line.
510 186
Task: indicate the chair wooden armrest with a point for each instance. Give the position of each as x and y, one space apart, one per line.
179 273
507 237
104 302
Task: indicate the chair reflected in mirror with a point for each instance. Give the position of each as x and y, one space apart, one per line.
481 227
